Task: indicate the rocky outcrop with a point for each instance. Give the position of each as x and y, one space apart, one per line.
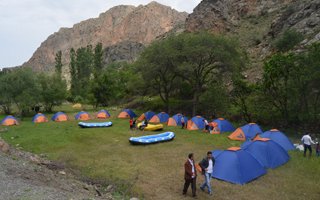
224 15
256 24
134 25
123 51
303 16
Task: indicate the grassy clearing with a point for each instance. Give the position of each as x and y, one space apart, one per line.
156 171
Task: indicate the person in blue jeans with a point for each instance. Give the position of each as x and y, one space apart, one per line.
206 165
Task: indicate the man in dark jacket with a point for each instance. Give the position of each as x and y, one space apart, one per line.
190 175
207 168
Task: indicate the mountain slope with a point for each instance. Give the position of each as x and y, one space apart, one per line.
120 24
257 23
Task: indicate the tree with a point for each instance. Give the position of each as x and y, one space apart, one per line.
53 91
5 93
157 65
98 59
58 63
276 82
73 73
24 90
202 57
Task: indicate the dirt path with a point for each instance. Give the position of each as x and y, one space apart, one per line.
24 176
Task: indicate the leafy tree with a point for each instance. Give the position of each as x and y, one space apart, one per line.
98 59
58 63
53 91
157 65
203 57
276 81
5 93
73 73
24 90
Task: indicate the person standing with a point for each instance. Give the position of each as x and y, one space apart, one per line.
190 175
131 124
307 141
182 122
207 168
206 128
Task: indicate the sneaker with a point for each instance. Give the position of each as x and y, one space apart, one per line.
210 193
202 189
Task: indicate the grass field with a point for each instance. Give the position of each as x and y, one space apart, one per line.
156 171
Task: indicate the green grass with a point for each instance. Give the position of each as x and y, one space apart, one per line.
156 171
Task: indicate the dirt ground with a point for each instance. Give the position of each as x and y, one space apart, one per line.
25 176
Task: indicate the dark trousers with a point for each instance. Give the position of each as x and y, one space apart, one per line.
305 150
193 186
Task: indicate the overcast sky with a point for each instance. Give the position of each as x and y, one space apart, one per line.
24 24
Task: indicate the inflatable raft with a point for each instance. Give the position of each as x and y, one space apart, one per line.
94 125
152 127
150 139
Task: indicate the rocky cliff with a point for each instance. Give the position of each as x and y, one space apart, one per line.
257 23
123 31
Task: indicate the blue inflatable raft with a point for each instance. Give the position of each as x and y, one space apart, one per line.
94 125
150 139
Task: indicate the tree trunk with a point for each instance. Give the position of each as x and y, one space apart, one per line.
195 102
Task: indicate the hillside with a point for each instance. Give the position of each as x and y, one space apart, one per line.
126 29
256 24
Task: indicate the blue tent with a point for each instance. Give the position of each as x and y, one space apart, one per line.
279 138
147 115
103 114
196 123
82 115
59 117
236 166
39 118
246 132
267 152
175 120
127 113
160 118
224 125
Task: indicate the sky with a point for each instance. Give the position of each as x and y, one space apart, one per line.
24 24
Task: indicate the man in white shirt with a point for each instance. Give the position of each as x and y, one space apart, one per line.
307 141
207 168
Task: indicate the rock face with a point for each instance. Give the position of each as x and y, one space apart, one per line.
257 23
123 51
120 25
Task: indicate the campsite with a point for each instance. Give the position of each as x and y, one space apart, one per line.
154 171
140 101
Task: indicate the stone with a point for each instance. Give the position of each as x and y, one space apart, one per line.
62 172
4 147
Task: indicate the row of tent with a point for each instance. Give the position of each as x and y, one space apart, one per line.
245 133
195 123
58 117
242 165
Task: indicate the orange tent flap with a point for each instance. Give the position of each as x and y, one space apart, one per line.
274 130
220 118
252 123
237 135
234 148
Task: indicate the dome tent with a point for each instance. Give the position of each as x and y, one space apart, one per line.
267 152
278 137
246 132
236 166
